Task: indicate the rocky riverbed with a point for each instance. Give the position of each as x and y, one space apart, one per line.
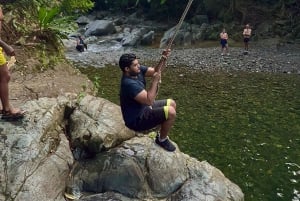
262 57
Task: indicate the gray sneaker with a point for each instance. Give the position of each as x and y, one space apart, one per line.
166 144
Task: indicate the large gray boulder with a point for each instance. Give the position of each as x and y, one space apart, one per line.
35 153
133 37
141 170
100 28
37 158
96 125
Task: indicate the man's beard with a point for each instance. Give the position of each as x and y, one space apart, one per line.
133 74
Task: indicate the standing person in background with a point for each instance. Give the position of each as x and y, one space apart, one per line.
247 35
7 112
223 42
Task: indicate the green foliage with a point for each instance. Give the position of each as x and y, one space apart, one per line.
216 8
80 96
47 22
52 28
165 10
69 6
29 8
291 2
46 16
63 25
125 5
96 84
153 7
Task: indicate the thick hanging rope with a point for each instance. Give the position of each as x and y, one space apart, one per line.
162 62
179 24
163 59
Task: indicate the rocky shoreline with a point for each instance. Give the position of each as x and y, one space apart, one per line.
262 57
110 37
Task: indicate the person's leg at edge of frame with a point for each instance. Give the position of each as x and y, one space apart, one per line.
4 91
7 109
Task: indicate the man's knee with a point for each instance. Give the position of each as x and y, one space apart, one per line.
172 113
173 103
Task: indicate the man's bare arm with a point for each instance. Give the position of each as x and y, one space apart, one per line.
148 97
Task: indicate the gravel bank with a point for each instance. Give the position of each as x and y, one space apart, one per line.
274 59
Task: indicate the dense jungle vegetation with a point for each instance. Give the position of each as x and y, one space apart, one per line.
47 21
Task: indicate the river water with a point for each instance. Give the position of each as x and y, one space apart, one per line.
246 123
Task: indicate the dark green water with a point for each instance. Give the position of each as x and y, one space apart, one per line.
245 124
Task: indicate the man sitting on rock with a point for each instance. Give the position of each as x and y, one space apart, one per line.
140 110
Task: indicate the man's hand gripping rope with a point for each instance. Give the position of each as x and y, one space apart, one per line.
167 51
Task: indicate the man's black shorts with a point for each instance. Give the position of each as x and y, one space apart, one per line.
152 116
246 40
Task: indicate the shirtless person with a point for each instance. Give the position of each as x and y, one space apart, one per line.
223 42
7 112
247 35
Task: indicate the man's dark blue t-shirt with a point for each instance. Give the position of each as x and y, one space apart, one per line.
129 89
